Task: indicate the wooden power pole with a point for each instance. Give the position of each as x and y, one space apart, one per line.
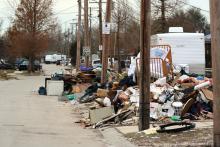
106 42
144 103
100 28
86 33
78 56
118 39
215 35
90 33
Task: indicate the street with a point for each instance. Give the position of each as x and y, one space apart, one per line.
30 120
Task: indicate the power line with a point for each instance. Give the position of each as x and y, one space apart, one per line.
66 21
67 13
194 6
64 10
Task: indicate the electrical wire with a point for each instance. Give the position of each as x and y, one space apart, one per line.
194 6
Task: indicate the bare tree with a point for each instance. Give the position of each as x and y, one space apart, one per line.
192 20
1 23
33 20
123 17
161 10
125 36
2 46
56 40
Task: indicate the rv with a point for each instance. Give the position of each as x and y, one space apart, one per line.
188 49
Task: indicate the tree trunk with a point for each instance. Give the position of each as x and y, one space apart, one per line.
30 65
163 16
31 58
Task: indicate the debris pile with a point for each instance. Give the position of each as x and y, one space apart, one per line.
183 98
176 99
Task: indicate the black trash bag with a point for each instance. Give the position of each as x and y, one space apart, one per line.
128 81
88 92
87 99
118 104
183 72
57 77
42 91
68 86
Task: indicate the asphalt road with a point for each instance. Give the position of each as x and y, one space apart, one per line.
30 120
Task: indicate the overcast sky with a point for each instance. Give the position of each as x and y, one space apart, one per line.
66 10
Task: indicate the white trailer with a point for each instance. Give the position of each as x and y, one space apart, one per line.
54 58
49 59
59 57
187 48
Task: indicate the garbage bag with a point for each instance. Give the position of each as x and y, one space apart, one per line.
42 91
84 68
128 81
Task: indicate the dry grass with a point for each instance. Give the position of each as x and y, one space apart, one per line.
36 73
4 74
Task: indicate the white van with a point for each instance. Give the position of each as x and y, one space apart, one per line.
96 63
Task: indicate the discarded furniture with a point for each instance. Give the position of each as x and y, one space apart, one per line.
160 61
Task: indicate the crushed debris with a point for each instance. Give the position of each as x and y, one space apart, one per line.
175 98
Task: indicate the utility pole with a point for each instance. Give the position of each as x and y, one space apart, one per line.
90 33
215 33
86 33
76 31
100 28
106 43
78 57
144 103
118 39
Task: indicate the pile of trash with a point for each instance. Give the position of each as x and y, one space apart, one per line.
182 97
185 97
117 103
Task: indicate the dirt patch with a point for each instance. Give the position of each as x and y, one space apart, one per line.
192 138
36 73
5 74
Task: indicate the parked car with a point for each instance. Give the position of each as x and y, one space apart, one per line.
25 63
18 62
6 66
